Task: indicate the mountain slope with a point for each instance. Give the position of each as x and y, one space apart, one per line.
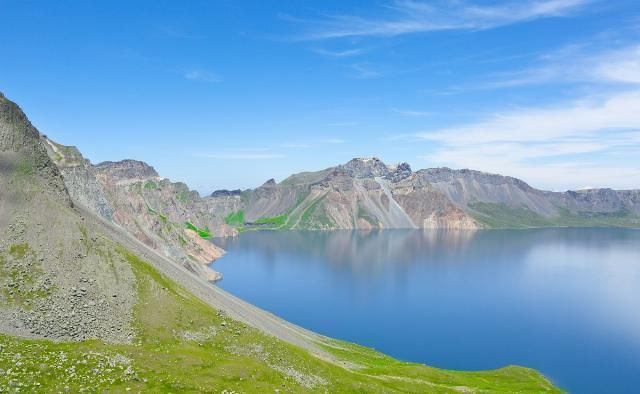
132 194
58 277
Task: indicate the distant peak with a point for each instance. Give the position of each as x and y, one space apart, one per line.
269 183
128 169
371 167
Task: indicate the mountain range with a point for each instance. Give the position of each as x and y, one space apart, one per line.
364 194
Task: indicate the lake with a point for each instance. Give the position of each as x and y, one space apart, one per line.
563 301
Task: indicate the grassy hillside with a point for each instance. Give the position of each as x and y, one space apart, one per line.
182 345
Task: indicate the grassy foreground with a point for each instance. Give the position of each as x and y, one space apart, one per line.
183 345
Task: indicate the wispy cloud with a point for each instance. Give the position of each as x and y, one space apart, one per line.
334 141
342 53
364 71
411 112
410 16
549 146
202 75
570 64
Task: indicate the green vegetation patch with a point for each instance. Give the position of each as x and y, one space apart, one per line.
276 221
235 218
150 185
203 233
504 216
314 216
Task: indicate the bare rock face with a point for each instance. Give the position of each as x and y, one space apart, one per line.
366 168
226 193
79 178
127 170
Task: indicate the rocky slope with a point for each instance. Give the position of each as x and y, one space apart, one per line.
365 193
58 278
165 216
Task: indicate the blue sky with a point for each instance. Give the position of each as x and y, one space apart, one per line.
226 94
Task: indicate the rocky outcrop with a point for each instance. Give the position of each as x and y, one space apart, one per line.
79 178
226 193
127 171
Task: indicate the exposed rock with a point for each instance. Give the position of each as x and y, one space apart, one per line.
79 178
226 193
127 170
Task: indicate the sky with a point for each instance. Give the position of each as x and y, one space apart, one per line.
227 94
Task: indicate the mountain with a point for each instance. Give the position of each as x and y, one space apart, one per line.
365 193
86 306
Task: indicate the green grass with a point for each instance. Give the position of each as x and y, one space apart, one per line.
183 345
503 216
150 185
314 217
235 218
162 217
275 221
203 233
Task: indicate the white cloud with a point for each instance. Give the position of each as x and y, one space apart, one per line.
570 64
343 53
586 142
202 75
409 16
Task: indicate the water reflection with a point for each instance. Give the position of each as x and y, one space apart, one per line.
564 301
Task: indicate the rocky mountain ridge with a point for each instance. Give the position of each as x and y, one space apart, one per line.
363 193
366 193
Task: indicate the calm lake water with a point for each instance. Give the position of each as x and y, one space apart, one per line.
563 301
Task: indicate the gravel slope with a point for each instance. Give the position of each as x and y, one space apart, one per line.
214 296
